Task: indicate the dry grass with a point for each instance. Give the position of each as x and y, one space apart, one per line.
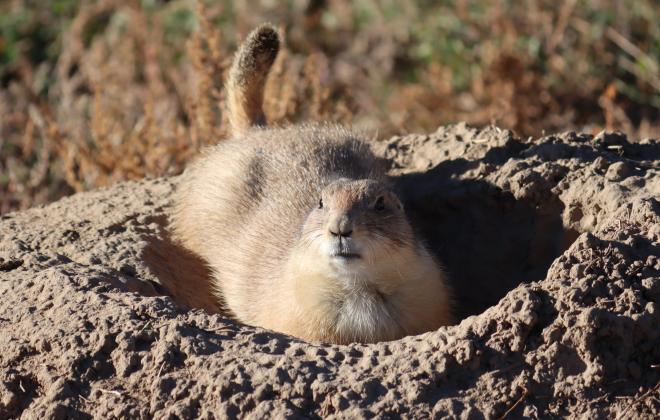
103 91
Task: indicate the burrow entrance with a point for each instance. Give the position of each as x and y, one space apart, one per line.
488 241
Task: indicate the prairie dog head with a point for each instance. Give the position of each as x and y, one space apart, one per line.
357 228
358 273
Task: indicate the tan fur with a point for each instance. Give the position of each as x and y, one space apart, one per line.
303 234
247 77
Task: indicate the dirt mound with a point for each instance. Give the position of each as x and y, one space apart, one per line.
552 245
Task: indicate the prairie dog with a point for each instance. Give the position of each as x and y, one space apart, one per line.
300 227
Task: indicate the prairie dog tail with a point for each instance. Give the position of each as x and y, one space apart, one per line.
247 77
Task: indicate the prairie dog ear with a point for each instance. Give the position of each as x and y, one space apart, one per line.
394 199
247 78
389 198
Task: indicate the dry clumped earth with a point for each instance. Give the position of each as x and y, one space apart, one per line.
552 244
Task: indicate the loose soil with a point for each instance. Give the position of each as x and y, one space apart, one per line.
552 246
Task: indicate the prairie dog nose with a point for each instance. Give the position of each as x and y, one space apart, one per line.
341 226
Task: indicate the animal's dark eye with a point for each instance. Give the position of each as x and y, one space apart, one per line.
380 204
321 203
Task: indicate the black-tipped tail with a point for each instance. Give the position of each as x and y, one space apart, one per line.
247 77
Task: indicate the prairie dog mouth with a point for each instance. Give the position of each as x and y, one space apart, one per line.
346 255
343 249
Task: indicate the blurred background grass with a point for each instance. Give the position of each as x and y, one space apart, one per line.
93 92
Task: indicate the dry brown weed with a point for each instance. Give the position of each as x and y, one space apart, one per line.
127 99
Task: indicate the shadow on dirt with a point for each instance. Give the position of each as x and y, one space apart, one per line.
488 241
181 274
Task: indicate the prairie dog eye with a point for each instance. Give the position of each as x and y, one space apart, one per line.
320 203
380 204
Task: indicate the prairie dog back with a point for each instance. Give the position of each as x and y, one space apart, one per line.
300 227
